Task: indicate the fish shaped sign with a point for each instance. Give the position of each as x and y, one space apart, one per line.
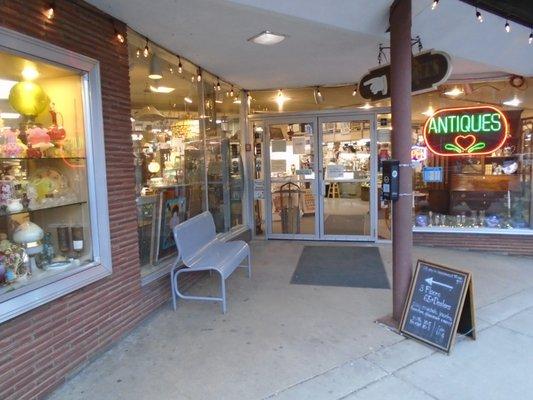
429 69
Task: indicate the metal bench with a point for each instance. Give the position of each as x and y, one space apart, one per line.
199 249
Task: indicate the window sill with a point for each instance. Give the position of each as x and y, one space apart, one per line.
25 302
477 231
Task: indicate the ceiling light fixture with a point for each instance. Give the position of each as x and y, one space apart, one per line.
187 100
435 4
530 40
29 73
514 102
319 99
199 75
180 66
138 53
507 26
454 92
161 89
120 37
219 88
479 16
354 93
267 38
280 98
50 11
146 51
231 92
429 112
237 101
155 72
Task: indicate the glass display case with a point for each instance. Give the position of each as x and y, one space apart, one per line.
51 224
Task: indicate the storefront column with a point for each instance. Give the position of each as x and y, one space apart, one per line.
247 157
402 237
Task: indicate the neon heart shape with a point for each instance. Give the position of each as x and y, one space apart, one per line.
465 141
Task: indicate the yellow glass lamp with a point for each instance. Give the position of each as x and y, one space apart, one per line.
28 98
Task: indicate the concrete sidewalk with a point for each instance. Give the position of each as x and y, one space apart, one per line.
282 341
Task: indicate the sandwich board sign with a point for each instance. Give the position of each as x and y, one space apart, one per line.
440 304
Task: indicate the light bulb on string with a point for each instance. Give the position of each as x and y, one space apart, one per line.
231 93
146 50
354 93
435 4
171 69
138 53
180 66
199 75
50 11
507 27
479 16
120 37
530 40
219 88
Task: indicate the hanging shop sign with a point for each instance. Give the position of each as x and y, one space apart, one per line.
429 70
478 130
439 305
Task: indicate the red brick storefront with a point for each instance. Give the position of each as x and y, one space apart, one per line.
40 348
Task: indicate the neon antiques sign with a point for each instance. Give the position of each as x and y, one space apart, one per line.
466 131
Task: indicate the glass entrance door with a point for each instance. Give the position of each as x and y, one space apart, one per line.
291 201
348 178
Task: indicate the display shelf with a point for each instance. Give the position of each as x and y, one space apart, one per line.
39 158
28 210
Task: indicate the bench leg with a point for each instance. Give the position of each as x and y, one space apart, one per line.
177 292
223 293
249 264
172 271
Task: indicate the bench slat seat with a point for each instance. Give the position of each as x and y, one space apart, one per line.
199 249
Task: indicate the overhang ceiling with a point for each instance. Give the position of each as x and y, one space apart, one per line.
329 43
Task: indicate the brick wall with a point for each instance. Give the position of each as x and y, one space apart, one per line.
40 348
510 244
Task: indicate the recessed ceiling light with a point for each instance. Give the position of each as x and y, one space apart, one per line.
161 89
267 38
237 101
514 102
187 100
454 92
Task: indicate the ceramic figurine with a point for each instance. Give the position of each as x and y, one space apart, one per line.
13 147
56 132
38 138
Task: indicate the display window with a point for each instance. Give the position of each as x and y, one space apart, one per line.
186 142
472 168
48 214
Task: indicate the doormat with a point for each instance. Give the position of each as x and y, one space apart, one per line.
345 225
344 266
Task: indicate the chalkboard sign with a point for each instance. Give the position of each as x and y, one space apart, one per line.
440 303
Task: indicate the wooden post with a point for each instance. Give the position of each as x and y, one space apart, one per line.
402 235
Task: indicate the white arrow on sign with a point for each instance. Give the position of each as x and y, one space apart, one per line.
431 282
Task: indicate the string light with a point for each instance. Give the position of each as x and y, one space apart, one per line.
219 88
199 75
479 16
435 4
507 26
231 93
530 40
170 69
120 37
138 53
354 93
146 51
180 66
50 11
